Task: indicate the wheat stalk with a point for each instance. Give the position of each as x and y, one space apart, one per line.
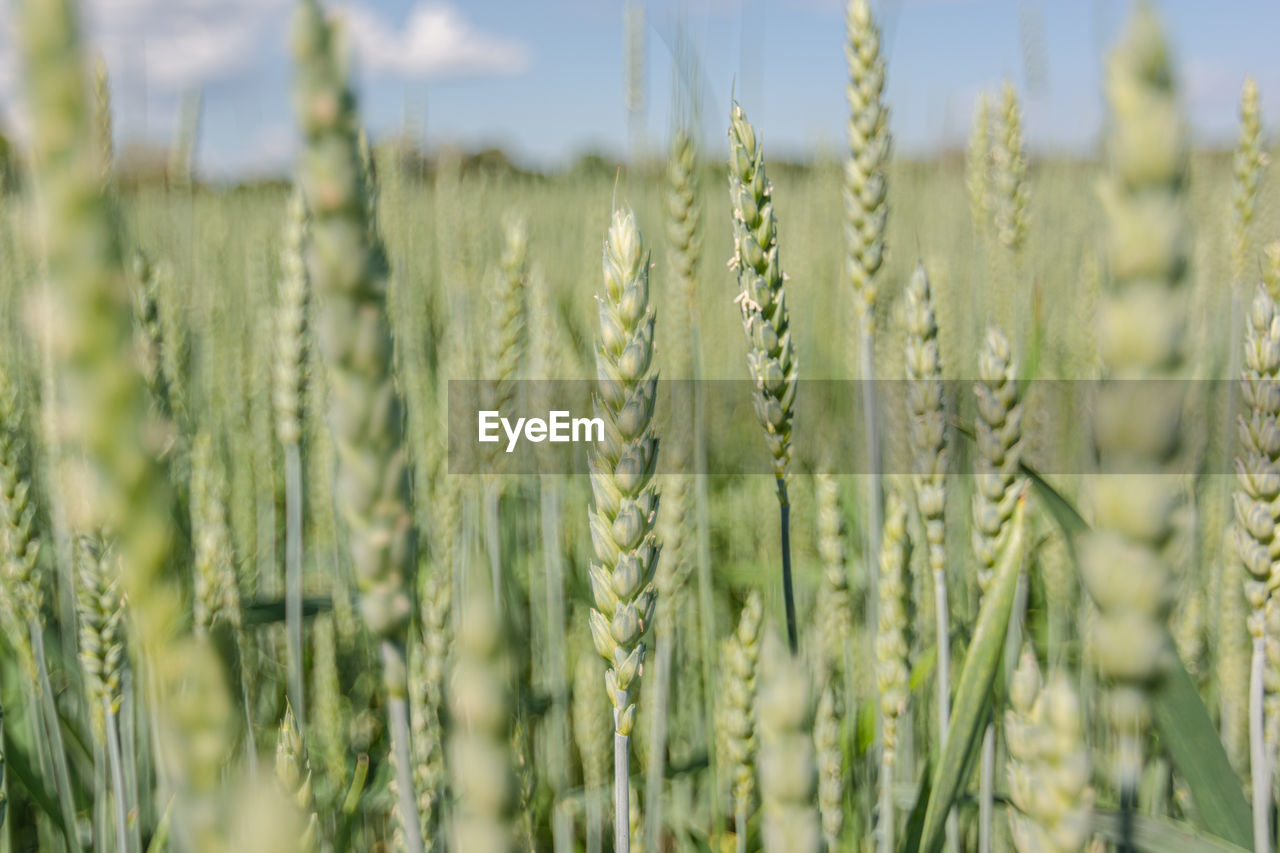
762 298
1140 336
625 497
348 269
865 213
111 474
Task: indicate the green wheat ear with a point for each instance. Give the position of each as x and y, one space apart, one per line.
349 273
1141 336
892 655
762 299
348 270
998 429
293 773
1049 765
927 432
1009 173
1247 167
110 460
737 709
479 759
865 183
788 771
977 168
625 495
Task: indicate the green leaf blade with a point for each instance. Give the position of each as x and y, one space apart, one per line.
973 697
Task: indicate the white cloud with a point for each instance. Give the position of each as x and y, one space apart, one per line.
183 43
436 40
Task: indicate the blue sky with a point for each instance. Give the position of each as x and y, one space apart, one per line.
544 78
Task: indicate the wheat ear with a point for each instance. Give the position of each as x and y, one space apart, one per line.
1048 763
348 270
892 650
788 771
288 389
625 497
1258 483
737 717
110 461
1141 334
483 782
927 431
762 298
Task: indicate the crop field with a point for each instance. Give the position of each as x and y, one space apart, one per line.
919 504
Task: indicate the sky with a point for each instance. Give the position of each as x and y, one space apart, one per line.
544 79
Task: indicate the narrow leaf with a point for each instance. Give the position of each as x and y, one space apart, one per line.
1160 835
970 708
1192 742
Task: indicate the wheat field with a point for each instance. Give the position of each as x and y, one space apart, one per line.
934 504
